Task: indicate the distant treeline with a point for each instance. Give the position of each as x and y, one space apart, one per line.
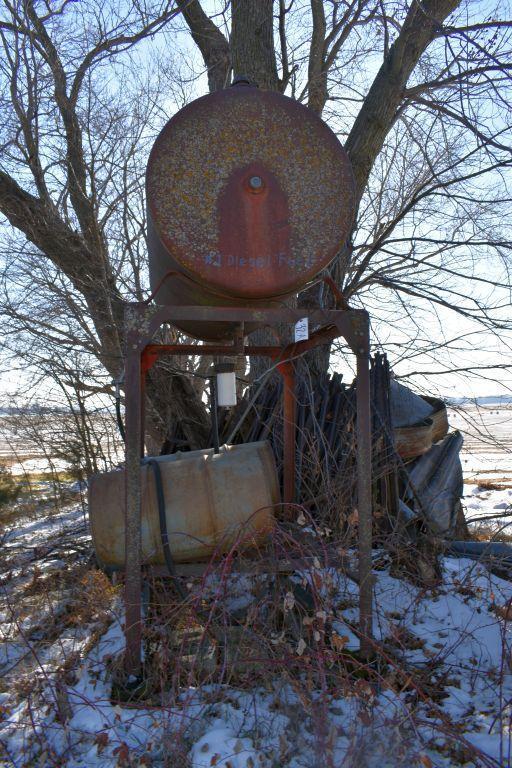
488 400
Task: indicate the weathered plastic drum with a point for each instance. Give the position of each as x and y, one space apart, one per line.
211 502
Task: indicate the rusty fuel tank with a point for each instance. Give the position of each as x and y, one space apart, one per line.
249 196
211 501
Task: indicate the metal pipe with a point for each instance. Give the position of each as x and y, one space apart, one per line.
364 503
214 413
119 418
142 412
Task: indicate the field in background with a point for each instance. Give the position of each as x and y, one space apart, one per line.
487 451
56 442
36 443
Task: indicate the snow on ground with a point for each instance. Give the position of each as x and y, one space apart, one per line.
461 639
443 697
38 465
489 507
33 551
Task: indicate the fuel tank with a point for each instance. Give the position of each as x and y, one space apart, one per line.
249 196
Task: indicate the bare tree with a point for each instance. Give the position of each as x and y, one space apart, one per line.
71 180
418 92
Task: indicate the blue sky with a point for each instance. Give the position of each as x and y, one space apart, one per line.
435 370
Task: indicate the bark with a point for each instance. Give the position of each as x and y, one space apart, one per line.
77 171
317 72
82 254
325 46
170 399
376 117
252 42
253 54
174 408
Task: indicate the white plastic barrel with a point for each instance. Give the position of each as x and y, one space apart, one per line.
211 500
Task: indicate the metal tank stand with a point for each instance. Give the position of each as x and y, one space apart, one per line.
141 324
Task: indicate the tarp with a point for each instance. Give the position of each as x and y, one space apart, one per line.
493 552
436 478
407 408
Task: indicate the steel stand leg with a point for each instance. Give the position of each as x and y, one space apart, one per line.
364 504
287 371
133 576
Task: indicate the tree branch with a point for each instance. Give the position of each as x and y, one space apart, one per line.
367 136
69 252
211 42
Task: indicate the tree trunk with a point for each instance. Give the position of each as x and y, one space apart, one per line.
252 42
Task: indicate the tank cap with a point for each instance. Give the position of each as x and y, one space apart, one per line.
256 183
224 367
243 80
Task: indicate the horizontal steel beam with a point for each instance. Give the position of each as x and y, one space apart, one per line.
352 324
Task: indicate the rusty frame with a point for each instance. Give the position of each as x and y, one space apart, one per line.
141 324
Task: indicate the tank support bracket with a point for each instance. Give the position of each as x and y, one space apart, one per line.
141 324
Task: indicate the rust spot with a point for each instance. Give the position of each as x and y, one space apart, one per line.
252 238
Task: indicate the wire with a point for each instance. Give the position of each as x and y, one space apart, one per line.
119 417
162 517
